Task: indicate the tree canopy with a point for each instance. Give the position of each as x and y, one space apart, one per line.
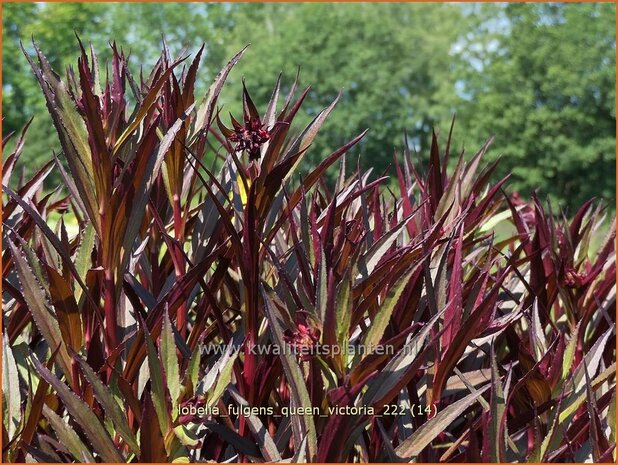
547 92
540 77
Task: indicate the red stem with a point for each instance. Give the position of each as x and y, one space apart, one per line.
109 303
182 312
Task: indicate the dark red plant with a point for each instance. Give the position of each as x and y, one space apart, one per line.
174 298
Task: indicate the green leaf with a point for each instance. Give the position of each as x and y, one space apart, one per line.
569 354
71 131
193 370
207 105
428 431
344 314
11 397
186 436
491 223
43 318
591 361
219 376
82 414
574 400
262 436
170 362
157 391
301 424
368 261
142 194
109 404
383 315
321 297
83 260
68 437
392 376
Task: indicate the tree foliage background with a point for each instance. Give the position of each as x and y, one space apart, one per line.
540 77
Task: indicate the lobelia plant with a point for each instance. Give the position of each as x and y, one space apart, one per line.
216 303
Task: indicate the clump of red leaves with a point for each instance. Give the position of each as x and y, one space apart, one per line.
501 346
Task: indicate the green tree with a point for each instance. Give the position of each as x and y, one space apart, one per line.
21 95
392 61
539 76
14 93
546 89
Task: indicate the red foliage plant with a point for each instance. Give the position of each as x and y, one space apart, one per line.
460 325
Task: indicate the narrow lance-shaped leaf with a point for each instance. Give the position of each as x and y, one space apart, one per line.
305 139
207 105
170 362
313 177
590 364
577 397
611 419
139 205
383 315
83 260
270 116
302 424
219 376
553 436
11 397
261 434
599 441
109 404
569 354
82 413
156 379
321 287
53 239
392 377
67 312
423 436
192 371
369 261
43 318
152 441
344 313
71 131
68 437
146 104
11 160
